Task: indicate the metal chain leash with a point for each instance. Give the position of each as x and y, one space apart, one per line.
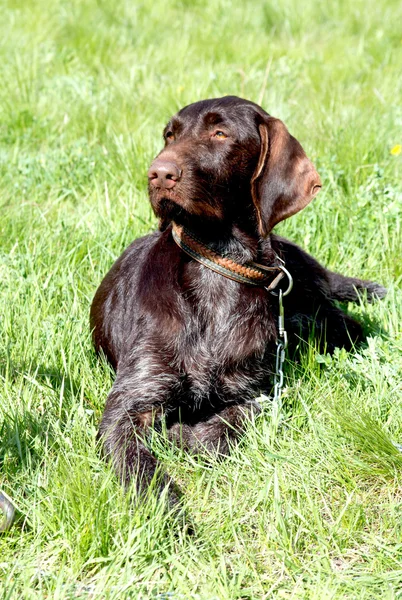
281 345
282 339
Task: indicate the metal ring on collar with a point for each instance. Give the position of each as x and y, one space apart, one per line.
290 280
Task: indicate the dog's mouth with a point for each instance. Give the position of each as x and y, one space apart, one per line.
180 205
168 203
159 195
169 209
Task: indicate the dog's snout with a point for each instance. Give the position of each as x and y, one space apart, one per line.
164 174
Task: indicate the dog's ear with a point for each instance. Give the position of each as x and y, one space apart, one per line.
284 181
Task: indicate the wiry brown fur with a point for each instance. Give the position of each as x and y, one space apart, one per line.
188 345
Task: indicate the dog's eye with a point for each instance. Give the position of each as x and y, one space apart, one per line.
220 135
169 136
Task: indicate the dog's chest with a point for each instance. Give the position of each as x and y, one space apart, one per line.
226 326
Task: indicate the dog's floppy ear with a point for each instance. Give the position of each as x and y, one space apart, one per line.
284 181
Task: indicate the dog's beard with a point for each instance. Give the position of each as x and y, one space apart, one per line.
168 209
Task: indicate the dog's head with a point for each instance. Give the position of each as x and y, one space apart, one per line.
226 159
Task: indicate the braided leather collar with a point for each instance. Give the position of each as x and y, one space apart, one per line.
251 273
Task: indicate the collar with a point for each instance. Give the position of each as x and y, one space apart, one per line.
251 273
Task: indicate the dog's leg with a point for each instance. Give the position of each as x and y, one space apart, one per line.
134 405
310 277
350 288
218 433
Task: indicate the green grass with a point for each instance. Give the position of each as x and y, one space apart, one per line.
310 504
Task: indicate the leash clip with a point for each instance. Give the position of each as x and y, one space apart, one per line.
282 339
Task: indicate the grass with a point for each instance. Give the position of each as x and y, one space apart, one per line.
310 504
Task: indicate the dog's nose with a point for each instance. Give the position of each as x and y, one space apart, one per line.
164 174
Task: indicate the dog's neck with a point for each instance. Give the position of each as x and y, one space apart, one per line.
232 241
250 272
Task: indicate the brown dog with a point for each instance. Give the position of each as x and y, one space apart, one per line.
191 345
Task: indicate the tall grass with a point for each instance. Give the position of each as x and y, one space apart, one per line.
310 504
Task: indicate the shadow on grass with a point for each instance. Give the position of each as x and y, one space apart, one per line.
25 427
30 430
309 338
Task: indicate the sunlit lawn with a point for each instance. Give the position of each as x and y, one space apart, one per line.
310 504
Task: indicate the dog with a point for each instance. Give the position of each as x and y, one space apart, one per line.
193 344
